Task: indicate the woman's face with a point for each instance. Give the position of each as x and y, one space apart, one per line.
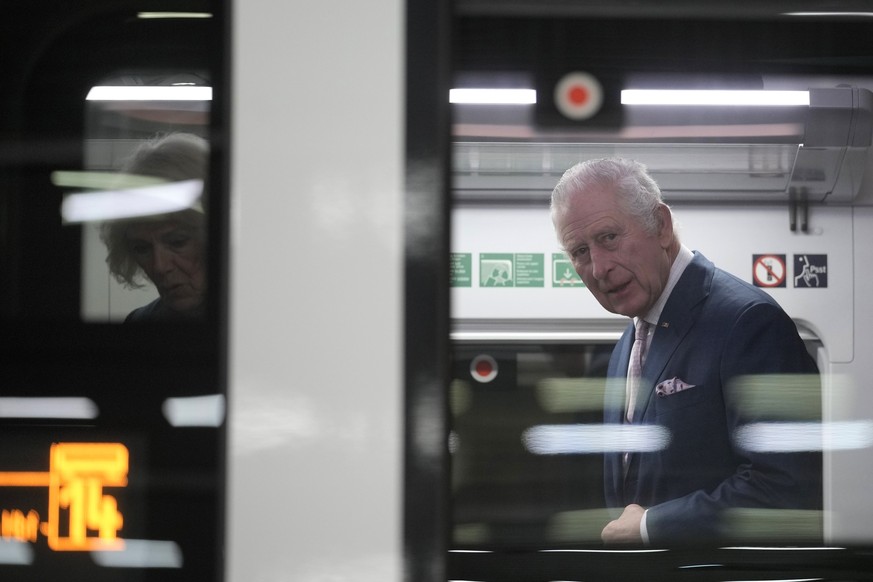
172 255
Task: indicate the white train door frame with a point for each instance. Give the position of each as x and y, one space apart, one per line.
338 291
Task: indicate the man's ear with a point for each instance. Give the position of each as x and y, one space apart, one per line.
665 225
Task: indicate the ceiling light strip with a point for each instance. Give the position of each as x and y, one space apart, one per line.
154 15
149 93
676 97
718 98
493 96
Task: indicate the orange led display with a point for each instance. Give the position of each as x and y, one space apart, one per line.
81 516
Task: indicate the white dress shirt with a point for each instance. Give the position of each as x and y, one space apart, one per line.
682 260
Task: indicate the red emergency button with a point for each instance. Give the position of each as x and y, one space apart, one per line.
483 368
578 95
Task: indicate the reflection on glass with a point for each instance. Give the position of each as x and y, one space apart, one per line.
168 249
81 515
511 487
142 196
15 553
195 410
558 439
48 407
142 554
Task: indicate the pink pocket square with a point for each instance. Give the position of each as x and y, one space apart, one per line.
672 386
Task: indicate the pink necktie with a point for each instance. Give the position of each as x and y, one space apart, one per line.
635 366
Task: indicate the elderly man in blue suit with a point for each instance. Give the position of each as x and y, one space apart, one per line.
701 330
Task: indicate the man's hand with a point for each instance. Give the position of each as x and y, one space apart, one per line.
625 529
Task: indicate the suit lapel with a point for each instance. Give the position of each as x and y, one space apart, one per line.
676 321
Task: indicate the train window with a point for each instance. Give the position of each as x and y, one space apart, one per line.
510 489
535 95
152 130
527 457
113 459
80 174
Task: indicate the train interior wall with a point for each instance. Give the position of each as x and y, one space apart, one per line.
732 236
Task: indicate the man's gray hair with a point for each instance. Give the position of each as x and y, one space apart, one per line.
629 179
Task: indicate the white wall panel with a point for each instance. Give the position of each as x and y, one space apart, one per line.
316 291
728 235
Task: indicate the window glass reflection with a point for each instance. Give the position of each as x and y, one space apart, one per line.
527 446
506 492
166 250
144 251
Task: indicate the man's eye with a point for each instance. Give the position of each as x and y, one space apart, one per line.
579 252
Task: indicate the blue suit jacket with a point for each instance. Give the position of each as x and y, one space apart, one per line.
714 329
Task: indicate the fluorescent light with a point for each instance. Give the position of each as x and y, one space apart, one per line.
602 551
830 14
557 439
141 554
15 553
149 93
781 548
148 201
195 410
787 437
47 407
493 96
745 98
152 15
102 180
726 98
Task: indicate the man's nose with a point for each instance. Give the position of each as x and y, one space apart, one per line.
601 264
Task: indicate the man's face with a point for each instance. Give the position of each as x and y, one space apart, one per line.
171 254
624 266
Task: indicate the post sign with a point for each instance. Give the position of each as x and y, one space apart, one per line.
811 271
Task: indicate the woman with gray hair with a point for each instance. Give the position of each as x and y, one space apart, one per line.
169 249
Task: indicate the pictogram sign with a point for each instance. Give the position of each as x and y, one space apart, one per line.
768 270
811 271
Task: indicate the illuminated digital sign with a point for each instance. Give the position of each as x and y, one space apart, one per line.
81 516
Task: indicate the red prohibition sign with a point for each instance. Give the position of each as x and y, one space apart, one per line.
769 271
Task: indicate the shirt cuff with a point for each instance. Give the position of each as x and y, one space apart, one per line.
644 532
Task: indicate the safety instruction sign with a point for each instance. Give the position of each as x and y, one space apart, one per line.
811 271
563 273
768 270
461 269
512 270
